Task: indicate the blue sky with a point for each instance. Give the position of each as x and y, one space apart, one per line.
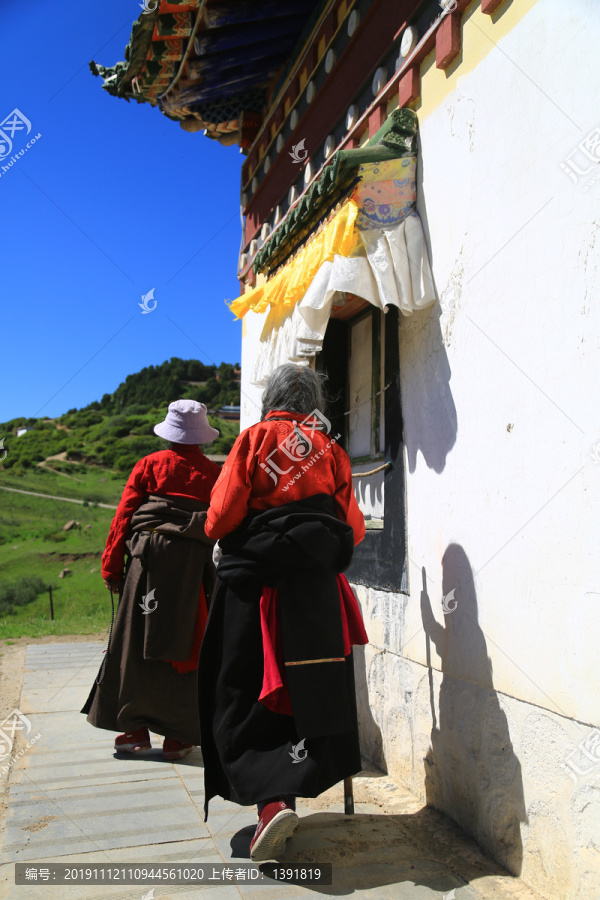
112 200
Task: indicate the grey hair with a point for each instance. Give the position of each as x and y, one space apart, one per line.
294 389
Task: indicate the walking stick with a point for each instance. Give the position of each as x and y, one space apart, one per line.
348 796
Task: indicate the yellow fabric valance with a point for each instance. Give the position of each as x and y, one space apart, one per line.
291 283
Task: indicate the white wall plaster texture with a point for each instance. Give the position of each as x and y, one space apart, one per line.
496 764
251 395
478 711
501 415
504 416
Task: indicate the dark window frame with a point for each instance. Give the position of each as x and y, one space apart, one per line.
380 560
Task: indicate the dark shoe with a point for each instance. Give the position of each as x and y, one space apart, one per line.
175 749
132 741
276 824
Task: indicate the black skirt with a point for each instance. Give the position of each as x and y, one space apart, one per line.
250 753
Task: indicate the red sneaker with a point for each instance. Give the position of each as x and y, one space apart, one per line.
175 749
276 824
132 741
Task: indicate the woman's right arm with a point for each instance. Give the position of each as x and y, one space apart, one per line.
113 558
344 494
231 493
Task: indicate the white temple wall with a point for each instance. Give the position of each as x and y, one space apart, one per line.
491 712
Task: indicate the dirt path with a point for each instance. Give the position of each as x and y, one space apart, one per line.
53 497
63 458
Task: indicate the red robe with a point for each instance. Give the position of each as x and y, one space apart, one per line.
182 471
244 484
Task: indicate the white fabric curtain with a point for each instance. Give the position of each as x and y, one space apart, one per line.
391 268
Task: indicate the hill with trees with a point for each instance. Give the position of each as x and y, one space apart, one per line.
117 430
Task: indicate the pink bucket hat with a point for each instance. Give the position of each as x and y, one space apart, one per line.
186 423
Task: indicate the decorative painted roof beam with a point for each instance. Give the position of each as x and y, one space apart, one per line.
445 36
396 138
345 80
162 65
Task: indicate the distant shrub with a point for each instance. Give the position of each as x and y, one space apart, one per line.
146 428
19 592
135 409
92 498
119 431
126 463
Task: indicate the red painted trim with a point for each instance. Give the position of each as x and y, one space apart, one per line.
372 39
329 26
293 90
351 144
409 86
490 6
448 40
377 118
310 60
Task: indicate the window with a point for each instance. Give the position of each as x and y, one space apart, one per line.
360 358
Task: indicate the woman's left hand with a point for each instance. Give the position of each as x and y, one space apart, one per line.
115 586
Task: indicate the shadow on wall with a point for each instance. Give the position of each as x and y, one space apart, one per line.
471 770
371 741
428 410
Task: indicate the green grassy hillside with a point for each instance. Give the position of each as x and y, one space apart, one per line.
85 455
32 542
118 430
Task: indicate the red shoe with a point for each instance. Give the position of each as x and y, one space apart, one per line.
276 824
132 741
175 749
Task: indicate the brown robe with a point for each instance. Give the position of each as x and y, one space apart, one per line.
137 686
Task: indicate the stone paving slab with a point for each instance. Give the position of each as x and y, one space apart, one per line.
96 763
55 679
72 800
89 818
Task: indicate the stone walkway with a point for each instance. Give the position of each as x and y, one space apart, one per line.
73 801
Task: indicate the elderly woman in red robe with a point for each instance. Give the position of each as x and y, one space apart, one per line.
148 679
277 700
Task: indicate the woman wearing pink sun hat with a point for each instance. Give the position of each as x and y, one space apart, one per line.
158 559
